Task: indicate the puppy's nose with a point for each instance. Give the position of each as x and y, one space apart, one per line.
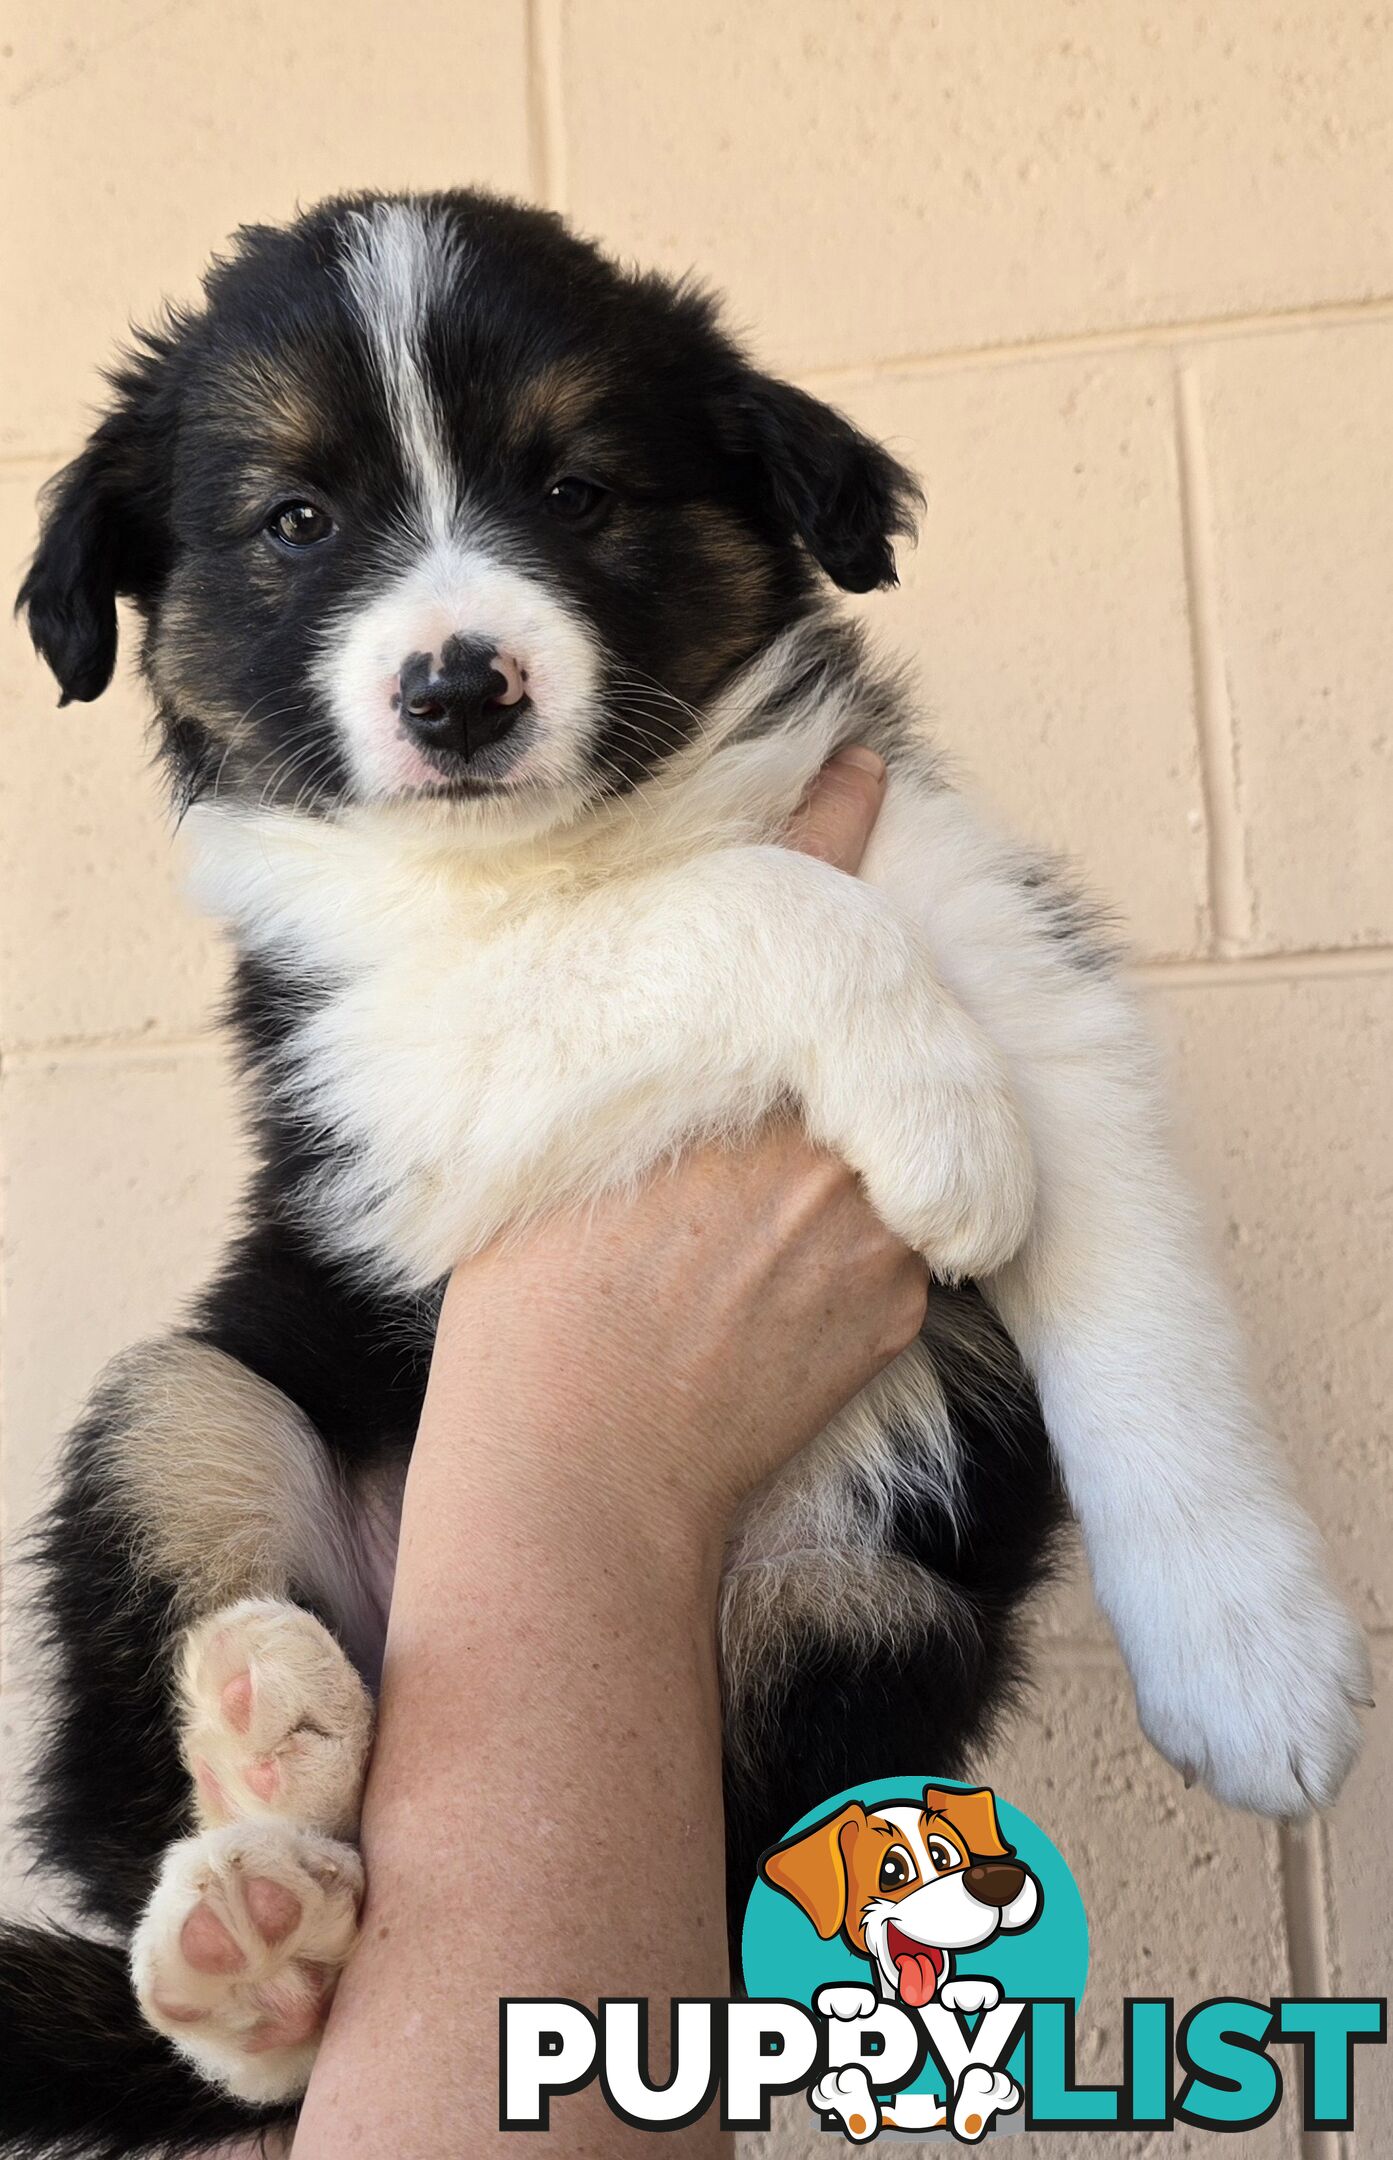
995 1882
471 699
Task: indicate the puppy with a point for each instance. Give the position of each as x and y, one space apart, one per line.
484 600
906 1887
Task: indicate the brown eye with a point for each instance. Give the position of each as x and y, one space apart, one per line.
299 524
943 1856
577 502
896 1869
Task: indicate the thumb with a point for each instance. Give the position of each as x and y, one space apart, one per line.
835 819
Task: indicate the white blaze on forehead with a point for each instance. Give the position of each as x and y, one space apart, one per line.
402 261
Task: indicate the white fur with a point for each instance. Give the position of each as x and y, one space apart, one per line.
517 1023
457 588
402 264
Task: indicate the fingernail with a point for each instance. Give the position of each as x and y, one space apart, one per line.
863 758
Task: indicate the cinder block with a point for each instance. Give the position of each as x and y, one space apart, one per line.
95 938
1283 1090
1046 606
871 182
1360 1847
1299 449
156 137
119 1178
1183 1898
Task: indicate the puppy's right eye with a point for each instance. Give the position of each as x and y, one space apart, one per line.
299 524
896 1869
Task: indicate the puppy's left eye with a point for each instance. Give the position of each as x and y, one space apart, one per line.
896 1869
299 524
576 502
942 1856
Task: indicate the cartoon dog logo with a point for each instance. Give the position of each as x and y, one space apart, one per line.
906 1887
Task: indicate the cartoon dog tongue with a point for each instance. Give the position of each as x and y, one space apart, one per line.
918 1971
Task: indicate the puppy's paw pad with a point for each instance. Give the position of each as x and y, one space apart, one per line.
239 1951
847 2094
276 1720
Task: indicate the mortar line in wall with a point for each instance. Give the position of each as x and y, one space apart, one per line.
1306 1917
1230 899
99 1049
545 115
548 165
1261 968
1128 337
1254 968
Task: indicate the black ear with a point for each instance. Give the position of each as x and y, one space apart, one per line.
825 482
103 534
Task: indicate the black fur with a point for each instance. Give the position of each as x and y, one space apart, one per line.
730 493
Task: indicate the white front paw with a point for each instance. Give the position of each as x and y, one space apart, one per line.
970 1994
952 1173
1249 1670
847 2002
849 2096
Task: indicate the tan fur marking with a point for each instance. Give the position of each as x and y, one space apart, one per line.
226 1483
556 399
275 408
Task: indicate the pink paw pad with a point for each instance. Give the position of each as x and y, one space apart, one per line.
207 1944
236 1701
291 2027
275 1911
262 1776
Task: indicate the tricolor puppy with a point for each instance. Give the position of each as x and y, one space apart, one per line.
485 598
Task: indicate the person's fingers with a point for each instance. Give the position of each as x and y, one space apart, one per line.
835 819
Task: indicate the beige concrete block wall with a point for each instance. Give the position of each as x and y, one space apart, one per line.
1119 280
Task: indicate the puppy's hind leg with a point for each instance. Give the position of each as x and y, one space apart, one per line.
252 1919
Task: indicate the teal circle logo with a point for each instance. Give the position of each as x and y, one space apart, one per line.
856 1891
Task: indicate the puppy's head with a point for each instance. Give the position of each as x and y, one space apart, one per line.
430 501
909 1884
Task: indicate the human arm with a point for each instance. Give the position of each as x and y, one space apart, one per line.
543 1814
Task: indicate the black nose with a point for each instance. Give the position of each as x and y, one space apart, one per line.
465 704
994 1882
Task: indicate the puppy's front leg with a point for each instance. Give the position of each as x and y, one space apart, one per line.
1246 1665
891 1071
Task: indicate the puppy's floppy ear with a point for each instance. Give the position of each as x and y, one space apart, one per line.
822 481
104 531
812 1869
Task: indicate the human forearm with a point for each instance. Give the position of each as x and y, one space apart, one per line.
549 1616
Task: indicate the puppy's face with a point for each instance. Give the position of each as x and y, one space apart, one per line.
909 1884
431 502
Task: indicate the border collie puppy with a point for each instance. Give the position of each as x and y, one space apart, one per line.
484 600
